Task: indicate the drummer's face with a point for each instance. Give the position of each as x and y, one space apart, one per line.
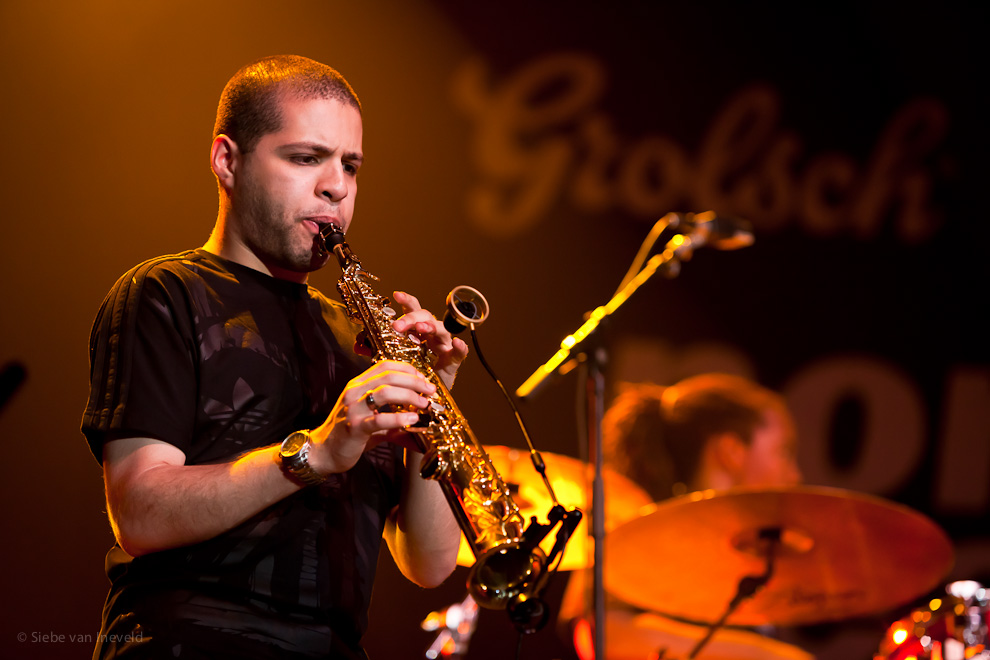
771 459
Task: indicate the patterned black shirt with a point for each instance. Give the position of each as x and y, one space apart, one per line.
218 359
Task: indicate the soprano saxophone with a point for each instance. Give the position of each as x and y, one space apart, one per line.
507 569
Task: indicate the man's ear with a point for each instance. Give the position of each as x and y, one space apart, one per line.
225 158
730 452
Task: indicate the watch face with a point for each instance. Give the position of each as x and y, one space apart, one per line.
294 443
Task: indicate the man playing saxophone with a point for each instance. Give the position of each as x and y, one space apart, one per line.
251 459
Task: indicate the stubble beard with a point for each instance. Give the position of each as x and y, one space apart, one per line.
270 232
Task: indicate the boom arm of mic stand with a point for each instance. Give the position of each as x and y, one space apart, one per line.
679 247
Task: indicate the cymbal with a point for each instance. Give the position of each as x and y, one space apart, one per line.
841 554
630 636
571 479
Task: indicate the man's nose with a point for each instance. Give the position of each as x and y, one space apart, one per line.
333 185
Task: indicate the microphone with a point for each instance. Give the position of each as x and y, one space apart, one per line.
717 231
466 308
12 376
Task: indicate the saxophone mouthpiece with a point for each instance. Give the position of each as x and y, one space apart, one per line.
328 231
329 237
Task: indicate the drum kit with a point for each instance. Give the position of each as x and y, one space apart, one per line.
744 557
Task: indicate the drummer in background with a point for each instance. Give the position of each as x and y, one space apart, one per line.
712 431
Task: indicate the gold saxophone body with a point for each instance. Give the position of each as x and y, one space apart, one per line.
507 569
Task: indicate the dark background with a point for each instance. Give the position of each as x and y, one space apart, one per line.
860 164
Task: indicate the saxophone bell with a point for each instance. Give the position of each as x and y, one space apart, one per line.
508 573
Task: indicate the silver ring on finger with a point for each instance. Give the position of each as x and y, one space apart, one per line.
369 398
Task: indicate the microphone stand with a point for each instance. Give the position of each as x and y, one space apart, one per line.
679 248
593 378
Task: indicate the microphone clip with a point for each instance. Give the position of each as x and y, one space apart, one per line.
718 231
528 612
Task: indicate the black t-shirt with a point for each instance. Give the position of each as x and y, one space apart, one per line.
218 359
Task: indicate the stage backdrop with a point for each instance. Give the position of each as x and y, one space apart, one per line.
527 149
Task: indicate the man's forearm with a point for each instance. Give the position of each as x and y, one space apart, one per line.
424 537
167 506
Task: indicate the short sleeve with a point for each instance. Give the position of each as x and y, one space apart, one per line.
142 374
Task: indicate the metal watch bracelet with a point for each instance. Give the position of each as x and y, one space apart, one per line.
294 459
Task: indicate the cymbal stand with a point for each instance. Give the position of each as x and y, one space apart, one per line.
748 586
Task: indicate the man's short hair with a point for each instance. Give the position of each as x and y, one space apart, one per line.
655 435
250 105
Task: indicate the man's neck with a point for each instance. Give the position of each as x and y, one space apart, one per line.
233 249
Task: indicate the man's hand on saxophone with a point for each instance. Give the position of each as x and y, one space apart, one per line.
361 420
421 532
363 416
450 350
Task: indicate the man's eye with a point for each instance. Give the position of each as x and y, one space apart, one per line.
306 159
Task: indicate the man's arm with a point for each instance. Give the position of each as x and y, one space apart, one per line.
157 502
422 533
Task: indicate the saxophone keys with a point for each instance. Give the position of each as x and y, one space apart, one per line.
433 466
365 277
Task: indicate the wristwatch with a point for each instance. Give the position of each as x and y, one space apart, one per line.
294 458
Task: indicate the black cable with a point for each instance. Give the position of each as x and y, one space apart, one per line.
535 456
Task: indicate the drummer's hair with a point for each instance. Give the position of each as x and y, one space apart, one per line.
634 442
655 435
